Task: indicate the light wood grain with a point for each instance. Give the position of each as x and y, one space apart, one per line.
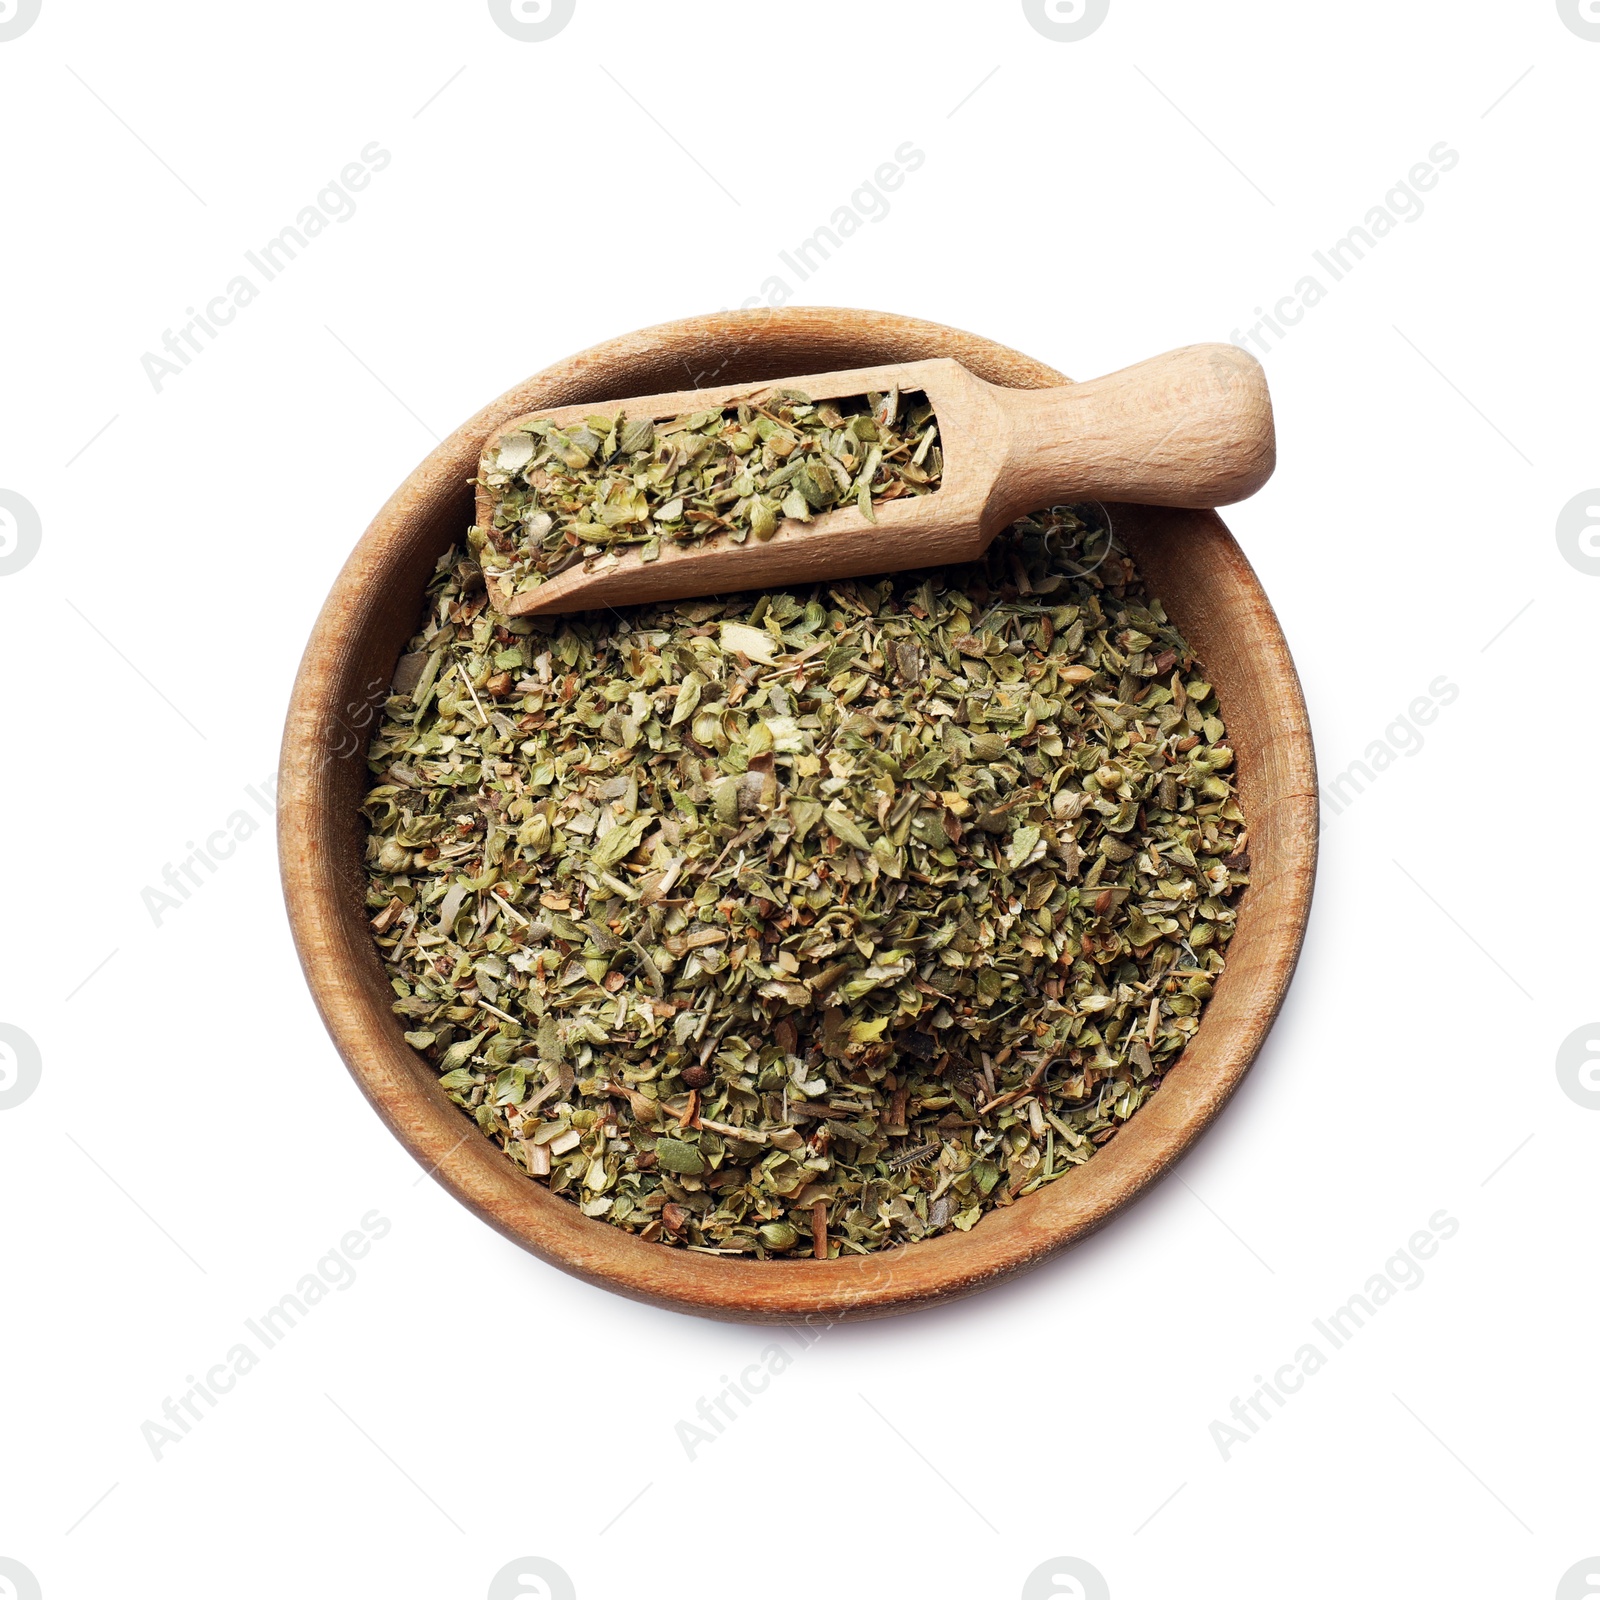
1189 559
1192 428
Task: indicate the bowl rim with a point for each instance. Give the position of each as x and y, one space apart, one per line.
344 674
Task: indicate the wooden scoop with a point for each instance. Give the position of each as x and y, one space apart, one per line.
1191 428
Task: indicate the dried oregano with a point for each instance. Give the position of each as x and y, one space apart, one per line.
562 494
807 922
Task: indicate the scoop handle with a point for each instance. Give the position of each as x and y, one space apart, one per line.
1190 428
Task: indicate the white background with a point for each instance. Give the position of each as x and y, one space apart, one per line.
195 1146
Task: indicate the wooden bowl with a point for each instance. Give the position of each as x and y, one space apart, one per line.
1188 558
